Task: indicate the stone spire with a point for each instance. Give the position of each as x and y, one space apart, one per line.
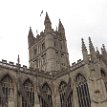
47 23
61 29
83 45
84 51
104 49
97 52
104 53
60 26
92 51
30 37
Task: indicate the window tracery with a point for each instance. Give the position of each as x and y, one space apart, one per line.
83 91
62 92
7 89
28 86
47 91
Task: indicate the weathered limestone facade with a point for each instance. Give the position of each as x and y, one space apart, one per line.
50 81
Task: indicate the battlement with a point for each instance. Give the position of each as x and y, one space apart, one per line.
38 37
77 64
24 68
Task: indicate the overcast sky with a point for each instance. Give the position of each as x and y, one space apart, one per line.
81 18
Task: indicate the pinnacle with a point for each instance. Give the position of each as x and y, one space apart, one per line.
97 50
92 51
103 48
47 19
90 44
30 32
60 25
83 44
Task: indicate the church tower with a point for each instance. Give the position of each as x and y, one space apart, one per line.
48 50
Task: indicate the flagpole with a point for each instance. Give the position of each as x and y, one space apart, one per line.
18 72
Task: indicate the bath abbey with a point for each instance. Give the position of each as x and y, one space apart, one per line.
50 80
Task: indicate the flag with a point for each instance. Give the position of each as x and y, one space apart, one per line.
18 59
41 13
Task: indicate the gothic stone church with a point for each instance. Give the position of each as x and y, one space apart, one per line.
50 81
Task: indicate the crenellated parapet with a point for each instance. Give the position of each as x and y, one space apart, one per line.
24 69
38 72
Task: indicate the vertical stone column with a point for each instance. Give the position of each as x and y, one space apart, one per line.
15 95
55 95
57 100
37 104
11 100
75 97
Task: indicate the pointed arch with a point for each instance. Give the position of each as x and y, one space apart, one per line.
6 77
82 91
7 74
7 89
104 77
46 90
62 91
28 82
80 78
29 88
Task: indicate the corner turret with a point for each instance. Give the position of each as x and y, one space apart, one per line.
104 49
97 52
61 29
84 52
47 24
104 53
92 51
30 37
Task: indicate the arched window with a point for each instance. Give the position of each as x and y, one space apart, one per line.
7 89
103 74
47 91
83 91
28 86
62 92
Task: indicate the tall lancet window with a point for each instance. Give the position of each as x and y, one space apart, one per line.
104 77
29 90
46 100
63 92
7 90
83 91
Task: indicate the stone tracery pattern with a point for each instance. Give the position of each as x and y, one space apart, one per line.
7 89
48 96
62 92
28 86
83 91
